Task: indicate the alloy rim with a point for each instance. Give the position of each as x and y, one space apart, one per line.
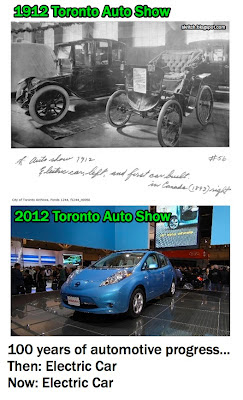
173 222
138 303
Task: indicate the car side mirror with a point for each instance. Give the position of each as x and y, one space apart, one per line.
152 266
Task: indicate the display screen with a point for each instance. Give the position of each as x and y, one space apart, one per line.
74 259
181 230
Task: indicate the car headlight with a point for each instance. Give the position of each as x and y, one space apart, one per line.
70 277
35 81
117 277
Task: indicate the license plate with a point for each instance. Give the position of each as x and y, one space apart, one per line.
73 301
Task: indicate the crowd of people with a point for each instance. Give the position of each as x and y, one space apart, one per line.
23 281
213 277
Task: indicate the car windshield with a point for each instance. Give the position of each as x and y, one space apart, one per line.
64 52
121 260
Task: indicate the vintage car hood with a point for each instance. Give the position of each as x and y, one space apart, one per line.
31 59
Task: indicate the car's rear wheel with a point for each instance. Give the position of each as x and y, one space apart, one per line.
172 289
137 302
204 107
49 104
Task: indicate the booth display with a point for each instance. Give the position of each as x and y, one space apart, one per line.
120 282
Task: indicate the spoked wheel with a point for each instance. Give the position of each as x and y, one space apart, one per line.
169 125
118 111
136 303
204 106
173 222
49 104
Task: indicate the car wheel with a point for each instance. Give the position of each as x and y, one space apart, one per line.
204 106
136 303
118 111
49 104
172 289
169 125
173 222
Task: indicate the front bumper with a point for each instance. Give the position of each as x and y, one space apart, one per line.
100 300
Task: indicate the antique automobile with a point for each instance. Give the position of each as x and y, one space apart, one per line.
167 89
120 282
88 68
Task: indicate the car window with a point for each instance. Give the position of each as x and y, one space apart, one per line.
152 259
117 53
121 260
64 54
163 260
83 54
102 53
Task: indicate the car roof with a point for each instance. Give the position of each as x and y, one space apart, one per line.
146 251
88 40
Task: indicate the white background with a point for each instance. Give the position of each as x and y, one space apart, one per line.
140 377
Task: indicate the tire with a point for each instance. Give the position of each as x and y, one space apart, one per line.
204 106
169 130
173 222
117 110
49 104
172 289
136 303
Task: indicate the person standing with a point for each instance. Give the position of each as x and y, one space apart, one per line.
28 281
62 275
17 280
214 276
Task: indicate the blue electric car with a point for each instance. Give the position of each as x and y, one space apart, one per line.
121 282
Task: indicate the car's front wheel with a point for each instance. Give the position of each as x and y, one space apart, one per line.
49 104
118 111
137 302
169 125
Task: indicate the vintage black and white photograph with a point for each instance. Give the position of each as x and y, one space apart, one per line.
120 84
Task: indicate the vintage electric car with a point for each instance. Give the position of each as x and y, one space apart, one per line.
87 68
183 215
165 90
120 282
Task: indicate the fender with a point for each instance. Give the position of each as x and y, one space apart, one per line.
138 284
42 84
